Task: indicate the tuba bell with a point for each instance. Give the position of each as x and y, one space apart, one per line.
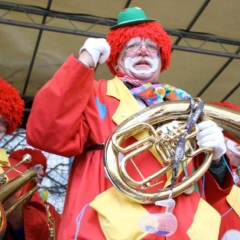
145 127
10 187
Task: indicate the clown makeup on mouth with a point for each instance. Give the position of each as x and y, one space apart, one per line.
140 59
141 63
131 62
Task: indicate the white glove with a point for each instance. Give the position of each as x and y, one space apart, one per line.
170 127
210 135
98 48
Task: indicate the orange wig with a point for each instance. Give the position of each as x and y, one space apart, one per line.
230 106
227 105
11 106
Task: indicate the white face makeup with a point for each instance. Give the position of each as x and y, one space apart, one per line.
140 59
130 63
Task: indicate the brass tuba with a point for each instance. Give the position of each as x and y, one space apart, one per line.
8 188
146 127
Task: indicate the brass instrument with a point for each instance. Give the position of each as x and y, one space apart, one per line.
8 188
149 121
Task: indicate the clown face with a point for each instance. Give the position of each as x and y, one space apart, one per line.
3 127
140 59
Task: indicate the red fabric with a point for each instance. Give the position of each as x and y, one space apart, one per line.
34 213
227 105
35 219
211 194
37 157
229 220
232 137
74 122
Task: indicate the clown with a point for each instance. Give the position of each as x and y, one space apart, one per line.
38 216
25 221
229 207
37 163
81 114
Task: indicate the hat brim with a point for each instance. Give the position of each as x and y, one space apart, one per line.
133 22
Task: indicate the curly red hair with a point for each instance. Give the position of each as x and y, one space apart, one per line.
37 157
118 37
11 106
230 106
227 105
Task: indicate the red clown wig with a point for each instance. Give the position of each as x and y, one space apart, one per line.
37 157
118 37
230 106
11 106
227 105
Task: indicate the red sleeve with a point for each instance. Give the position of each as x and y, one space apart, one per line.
58 105
35 219
212 191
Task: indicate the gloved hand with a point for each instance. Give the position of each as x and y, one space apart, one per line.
170 127
98 48
210 135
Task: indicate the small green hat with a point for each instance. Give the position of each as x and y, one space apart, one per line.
131 16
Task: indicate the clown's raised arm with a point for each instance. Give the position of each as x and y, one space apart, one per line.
74 115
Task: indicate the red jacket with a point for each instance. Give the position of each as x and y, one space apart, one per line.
73 112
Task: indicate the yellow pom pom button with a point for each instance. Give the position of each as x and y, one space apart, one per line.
161 91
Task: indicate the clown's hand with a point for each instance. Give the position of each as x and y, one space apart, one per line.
210 135
170 127
99 51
